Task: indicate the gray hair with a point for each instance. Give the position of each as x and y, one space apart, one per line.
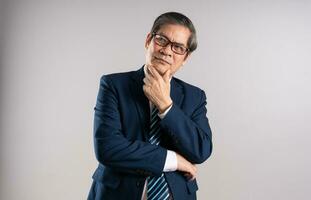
176 18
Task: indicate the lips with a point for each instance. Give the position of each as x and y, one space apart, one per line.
161 60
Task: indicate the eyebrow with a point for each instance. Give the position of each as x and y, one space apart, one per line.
171 40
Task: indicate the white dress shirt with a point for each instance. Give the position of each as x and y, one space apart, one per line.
171 159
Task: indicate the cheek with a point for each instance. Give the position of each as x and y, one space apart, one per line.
177 61
149 54
150 51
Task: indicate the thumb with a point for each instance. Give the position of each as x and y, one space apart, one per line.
167 75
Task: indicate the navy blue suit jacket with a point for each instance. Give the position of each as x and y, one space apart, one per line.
125 156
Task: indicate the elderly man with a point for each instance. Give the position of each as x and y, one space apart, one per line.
150 128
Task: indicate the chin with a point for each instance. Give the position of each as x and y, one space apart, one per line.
161 68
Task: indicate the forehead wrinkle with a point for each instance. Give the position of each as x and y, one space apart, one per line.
172 40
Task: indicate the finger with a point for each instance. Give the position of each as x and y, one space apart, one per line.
189 173
150 77
193 174
147 81
144 88
149 73
190 176
154 72
166 76
195 169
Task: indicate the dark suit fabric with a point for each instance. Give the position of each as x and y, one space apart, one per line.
121 124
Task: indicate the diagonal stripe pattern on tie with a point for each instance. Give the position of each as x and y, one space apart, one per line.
157 188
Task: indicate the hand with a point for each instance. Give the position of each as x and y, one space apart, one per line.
157 88
187 167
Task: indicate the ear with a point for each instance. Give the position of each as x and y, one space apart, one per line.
186 58
148 39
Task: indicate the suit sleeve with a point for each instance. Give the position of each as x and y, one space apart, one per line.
191 135
112 149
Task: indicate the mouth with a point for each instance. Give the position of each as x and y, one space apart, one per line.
162 60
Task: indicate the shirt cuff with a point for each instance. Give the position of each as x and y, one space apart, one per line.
170 162
162 115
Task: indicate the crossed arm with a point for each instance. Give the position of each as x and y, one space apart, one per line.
191 137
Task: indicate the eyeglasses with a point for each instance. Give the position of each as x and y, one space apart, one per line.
163 41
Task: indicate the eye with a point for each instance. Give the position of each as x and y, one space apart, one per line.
179 48
162 40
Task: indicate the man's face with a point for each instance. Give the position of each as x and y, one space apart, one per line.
163 58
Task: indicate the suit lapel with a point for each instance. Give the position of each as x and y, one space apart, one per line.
177 94
142 102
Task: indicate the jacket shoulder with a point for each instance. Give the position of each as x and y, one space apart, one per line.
117 76
118 80
189 88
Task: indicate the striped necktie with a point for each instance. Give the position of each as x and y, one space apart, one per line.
157 188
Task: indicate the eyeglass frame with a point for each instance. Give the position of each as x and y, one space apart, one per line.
170 43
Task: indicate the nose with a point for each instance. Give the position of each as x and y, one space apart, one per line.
167 50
